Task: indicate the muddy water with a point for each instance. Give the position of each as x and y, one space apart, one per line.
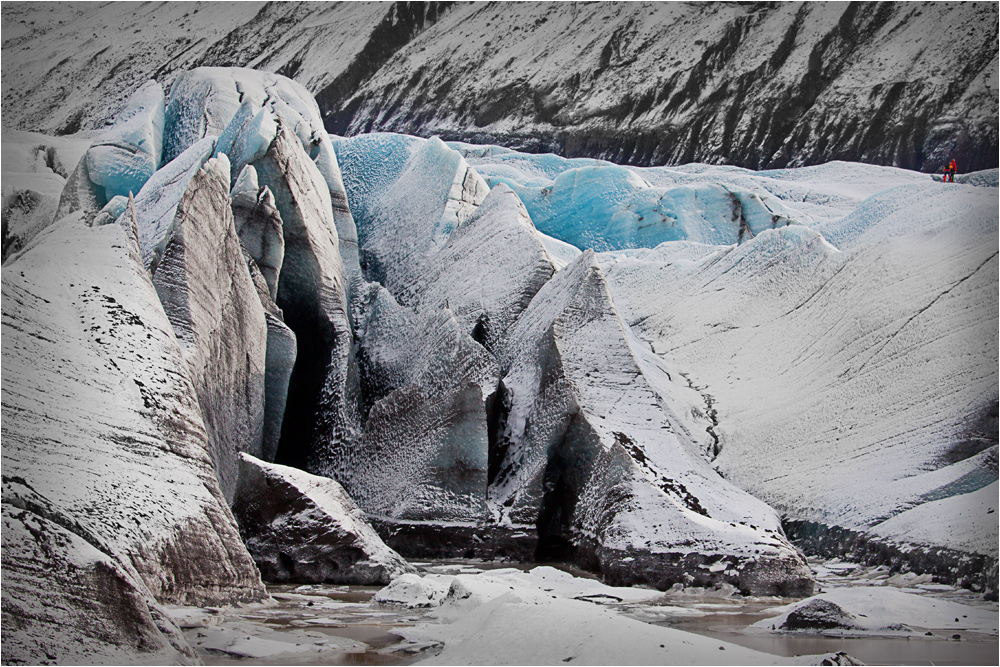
728 620
303 614
340 625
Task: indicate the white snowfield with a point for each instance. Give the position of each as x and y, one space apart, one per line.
35 169
851 359
848 382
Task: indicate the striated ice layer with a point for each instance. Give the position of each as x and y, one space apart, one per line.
259 226
156 204
109 490
208 294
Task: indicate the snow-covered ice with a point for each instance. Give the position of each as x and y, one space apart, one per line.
547 616
879 610
847 363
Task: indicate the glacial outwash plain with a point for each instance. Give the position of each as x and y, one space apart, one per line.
500 333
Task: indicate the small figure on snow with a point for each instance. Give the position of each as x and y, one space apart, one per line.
949 172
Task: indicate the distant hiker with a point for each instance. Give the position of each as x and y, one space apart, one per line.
949 172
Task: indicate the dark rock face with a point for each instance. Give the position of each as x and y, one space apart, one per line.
767 575
977 572
305 529
426 539
819 615
752 84
761 87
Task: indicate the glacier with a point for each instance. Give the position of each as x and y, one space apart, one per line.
659 374
639 215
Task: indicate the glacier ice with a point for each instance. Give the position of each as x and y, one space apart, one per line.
425 372
608 207
156 203
246 138
121 159
278 365
422 453
87 592
269 124
105 458
887 338
500 236
258 224
483 388
241 106
126 155
313 294
595 460
207 292
425 187
371 163
492 396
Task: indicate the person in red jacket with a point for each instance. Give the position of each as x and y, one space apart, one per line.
949 172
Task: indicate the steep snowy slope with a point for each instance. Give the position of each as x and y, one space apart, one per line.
110 499
853 381
35 169
751 84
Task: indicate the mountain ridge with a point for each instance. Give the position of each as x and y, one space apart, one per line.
755 85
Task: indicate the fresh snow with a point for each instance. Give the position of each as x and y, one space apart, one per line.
35 168
967 522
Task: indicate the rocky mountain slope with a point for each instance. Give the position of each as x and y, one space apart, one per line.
751 84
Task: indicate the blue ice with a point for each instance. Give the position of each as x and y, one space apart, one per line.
125 156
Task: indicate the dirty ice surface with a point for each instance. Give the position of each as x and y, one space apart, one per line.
544 615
